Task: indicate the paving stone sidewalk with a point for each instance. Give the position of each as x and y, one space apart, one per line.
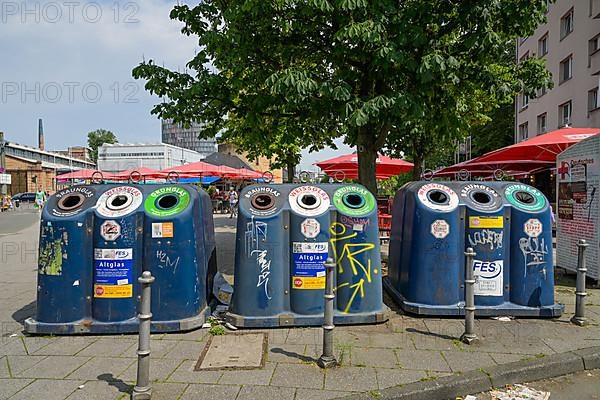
403 350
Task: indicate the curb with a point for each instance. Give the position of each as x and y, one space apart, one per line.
450 387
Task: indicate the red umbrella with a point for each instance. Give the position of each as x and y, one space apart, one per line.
242 173
347 166
85 174
527 156
199 168
145 173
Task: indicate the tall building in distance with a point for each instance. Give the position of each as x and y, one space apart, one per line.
177 135
570 43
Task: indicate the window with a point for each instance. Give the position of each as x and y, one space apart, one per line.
524 57
543 46
540 92
566 69
524 101
566 24
542 120
564 114
523 132
593 100
594 44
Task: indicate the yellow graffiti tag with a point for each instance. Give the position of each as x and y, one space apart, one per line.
349 251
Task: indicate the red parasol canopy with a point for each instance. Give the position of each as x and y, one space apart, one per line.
199 168
143 172
85 174
347 166
527 156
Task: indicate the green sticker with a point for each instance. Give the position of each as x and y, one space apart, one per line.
534 202
354 200
167 201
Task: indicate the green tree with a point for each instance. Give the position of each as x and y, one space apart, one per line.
97 138
411 75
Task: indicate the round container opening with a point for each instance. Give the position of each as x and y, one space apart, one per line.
524 197
167 201
353 200
438 197
481 197
71 202
309 201
262 201
119 201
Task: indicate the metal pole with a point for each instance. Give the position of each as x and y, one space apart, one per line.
327 359
580 293
142 389
469 336
3 188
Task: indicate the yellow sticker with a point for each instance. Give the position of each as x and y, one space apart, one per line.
486 222
113 291
304 282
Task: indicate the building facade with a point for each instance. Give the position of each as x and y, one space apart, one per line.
570 44
177 135
124 156
261 164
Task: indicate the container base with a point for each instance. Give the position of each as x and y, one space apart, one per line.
505 309
299 320
92 327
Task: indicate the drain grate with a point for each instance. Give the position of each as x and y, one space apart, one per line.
238 351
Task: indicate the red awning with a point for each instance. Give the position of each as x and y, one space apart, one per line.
525 157
144 173
347 166
85 174
199 168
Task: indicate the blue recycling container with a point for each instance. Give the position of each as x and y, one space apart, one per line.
285 233
96 240
507 224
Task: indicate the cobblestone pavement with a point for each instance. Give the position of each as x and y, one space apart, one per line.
403 350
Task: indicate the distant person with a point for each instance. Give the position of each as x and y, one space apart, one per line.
40 198
233 200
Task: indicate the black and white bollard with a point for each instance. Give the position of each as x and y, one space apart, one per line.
580 293
327 359
469 336
142 389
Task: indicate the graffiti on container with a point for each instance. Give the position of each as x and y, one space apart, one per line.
486 237
534 250
256 232
51 258
347 254
265 270
166 262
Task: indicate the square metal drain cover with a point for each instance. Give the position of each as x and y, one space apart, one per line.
239 351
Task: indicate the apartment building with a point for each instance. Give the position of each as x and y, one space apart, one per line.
570 43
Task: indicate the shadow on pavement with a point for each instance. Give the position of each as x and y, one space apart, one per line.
291 354
117 383
25 312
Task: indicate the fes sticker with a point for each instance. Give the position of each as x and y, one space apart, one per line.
440 229
488 277
110 230
113 277
162 230
309 201
309 265
533 227
438 197
310 228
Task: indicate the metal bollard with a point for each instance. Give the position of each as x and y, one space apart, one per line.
142 389
469 336
327 359
579 317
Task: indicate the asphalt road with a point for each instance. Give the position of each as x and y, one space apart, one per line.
17 220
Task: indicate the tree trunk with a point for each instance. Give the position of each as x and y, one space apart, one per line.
418 168
291 170
367 155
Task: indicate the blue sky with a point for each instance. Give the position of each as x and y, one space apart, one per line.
70 63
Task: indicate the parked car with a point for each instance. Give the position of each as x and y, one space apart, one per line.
28 197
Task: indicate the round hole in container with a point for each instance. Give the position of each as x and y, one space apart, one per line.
119 201
438 197
353 200
309 201
524 197
262 201
71 201
481 197
167 201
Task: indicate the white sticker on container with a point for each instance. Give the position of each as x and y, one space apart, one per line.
119 201
110 230
438 197
533 227
440 229
489 277
309 201
310 228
